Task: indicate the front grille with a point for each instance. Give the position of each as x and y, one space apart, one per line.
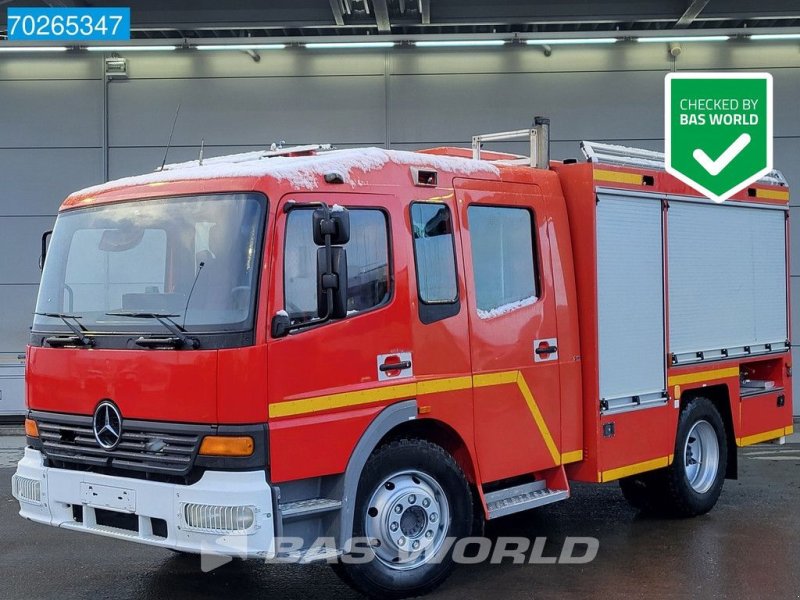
149 447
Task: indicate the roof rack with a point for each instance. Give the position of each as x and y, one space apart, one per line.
612 154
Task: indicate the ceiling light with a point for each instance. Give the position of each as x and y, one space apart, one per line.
570 41
776 36
686 38
242 47
457 43
129 48
337 45
33 48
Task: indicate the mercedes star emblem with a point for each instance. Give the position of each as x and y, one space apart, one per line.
107 425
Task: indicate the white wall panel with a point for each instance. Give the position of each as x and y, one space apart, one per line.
17 303
20 245
247 111
51 114
43 177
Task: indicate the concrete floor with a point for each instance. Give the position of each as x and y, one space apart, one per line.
747 547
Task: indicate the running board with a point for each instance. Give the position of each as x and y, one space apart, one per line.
522 497
306 508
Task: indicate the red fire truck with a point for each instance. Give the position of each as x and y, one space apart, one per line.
392 347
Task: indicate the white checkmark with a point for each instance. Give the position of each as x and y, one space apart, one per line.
715 166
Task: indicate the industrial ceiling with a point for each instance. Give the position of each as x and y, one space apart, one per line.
418 19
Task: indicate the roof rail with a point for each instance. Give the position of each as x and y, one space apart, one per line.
307 150
612 154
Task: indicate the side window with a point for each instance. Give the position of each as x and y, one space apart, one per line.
434 255
502 258
367 263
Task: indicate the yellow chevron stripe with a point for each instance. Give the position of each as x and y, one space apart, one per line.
648 465
434 386
421 388
490 379
538 418
763 437
571 457
703 376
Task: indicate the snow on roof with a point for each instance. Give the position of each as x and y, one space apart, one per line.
300 171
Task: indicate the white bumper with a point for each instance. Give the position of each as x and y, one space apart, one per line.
101 496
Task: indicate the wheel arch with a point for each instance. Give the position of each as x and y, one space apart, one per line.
393 422
719 395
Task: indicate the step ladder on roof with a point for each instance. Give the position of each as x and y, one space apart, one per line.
612 154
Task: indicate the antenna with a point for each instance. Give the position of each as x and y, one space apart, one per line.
169 142
191 291
202 144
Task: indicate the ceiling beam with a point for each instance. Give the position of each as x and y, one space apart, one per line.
691 13
381 10
336 9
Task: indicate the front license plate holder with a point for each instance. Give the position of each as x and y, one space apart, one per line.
112 498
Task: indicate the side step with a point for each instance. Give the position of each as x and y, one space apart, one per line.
522 497
305 508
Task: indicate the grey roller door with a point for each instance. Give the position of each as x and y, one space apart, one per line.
727 279
630 299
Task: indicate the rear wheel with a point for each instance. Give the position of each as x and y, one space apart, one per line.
411 498
692 484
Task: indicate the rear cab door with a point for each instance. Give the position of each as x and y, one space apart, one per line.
512 320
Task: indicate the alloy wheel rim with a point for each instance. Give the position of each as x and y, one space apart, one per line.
701 456
407 519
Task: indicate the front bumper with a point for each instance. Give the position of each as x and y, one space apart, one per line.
146 506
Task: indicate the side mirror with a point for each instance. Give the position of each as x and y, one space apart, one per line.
334 222
45 237
332 285
281 324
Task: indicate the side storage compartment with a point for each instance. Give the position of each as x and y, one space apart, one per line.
765 408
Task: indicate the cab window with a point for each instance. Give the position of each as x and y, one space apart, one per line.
368 283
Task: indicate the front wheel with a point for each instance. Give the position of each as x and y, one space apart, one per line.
413 501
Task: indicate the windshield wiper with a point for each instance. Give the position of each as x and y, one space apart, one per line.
72 321
180 339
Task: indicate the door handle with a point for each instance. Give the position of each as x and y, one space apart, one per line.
546 350
398 366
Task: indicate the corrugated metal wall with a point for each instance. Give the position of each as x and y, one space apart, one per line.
60 130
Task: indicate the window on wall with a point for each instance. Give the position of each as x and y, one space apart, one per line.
502 258
434 254
367 264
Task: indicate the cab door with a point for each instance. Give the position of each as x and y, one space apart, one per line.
324 381
512 321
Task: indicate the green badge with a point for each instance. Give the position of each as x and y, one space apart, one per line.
718 130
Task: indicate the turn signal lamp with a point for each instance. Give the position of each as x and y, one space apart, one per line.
222 445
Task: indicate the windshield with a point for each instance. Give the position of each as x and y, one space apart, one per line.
194 258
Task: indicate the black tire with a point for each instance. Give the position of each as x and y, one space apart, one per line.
401 460
670 491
